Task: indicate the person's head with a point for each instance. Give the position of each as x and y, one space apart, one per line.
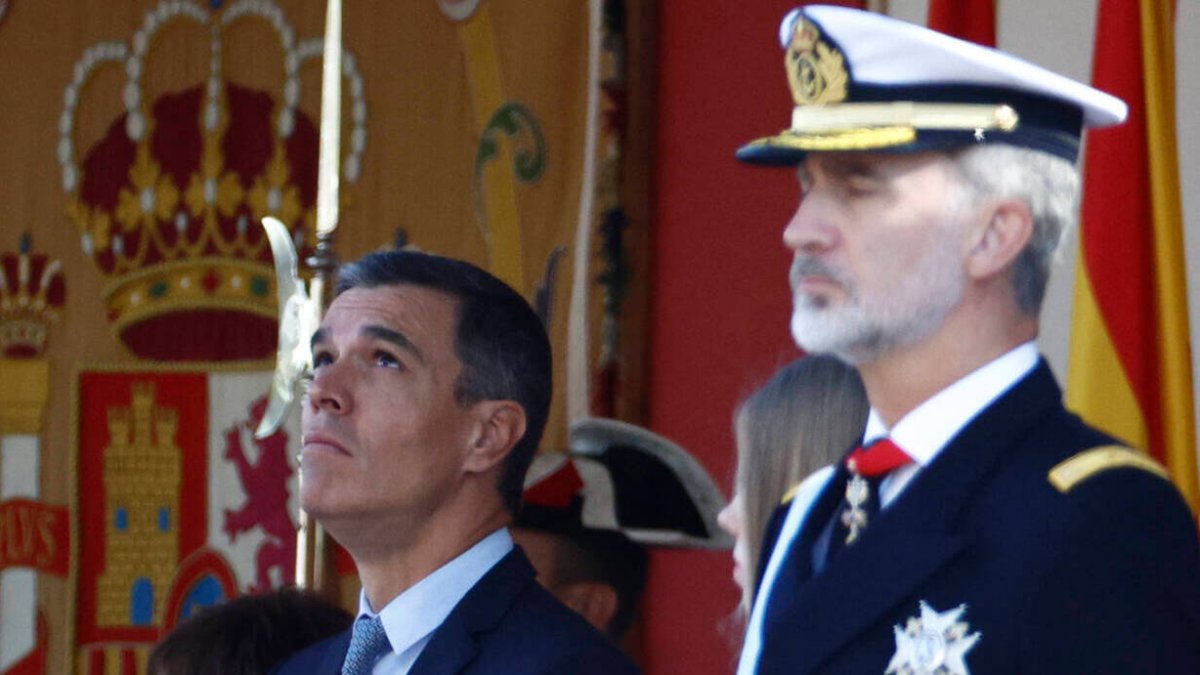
591 514
938 180
247 635
431 379
807 415
600 574
886 246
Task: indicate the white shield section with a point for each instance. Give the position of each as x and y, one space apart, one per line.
19 459
245 494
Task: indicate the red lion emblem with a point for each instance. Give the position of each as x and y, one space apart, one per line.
266 487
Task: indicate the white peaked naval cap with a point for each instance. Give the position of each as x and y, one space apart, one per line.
863 81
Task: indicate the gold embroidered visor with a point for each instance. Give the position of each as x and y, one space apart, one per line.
872 126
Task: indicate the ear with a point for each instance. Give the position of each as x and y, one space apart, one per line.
499 425
1005 233
593 600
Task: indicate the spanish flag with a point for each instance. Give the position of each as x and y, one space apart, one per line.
973 20
1130 364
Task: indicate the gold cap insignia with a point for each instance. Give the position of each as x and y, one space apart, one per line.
816 70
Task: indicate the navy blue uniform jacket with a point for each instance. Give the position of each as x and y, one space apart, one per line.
506 623
1104 578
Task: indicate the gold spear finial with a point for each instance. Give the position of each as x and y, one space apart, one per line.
300 312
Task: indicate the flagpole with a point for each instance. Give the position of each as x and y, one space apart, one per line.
311 550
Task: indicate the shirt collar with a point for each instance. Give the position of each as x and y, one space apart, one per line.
416 612
923 432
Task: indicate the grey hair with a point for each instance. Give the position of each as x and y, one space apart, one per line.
1049 185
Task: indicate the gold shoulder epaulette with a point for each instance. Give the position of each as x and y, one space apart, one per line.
790 494
1073 471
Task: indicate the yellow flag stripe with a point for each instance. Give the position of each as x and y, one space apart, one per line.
1175 372
1096 380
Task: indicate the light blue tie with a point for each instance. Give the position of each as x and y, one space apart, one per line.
368 643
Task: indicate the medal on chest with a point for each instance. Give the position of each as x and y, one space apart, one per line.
934 643
858 493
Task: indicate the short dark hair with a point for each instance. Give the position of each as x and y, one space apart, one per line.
608 557
248 635
500 341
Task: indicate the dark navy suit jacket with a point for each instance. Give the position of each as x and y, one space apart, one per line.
1104 578
506 624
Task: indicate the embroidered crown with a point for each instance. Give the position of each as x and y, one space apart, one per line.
31 293
168 201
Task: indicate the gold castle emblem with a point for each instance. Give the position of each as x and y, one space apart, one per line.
816 70
142 477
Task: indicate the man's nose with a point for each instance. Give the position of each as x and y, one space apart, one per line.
810 230
328 391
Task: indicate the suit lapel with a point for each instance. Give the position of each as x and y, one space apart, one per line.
456 642
335 653
910 540
794 568
868 579
800 556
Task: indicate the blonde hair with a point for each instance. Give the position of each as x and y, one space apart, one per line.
806 416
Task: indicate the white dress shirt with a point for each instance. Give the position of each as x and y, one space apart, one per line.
410 619
923 433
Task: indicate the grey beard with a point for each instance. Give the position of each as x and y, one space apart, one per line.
861 329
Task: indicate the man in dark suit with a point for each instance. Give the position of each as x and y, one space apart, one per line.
981 528
430 390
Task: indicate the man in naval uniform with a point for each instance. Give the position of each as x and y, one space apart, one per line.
981 528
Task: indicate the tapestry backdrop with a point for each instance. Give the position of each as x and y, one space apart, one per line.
144 141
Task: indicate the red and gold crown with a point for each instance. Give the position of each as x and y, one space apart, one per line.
31 293
168 203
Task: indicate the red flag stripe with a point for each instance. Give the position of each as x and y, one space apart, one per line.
1116 239
973 20
1131 367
